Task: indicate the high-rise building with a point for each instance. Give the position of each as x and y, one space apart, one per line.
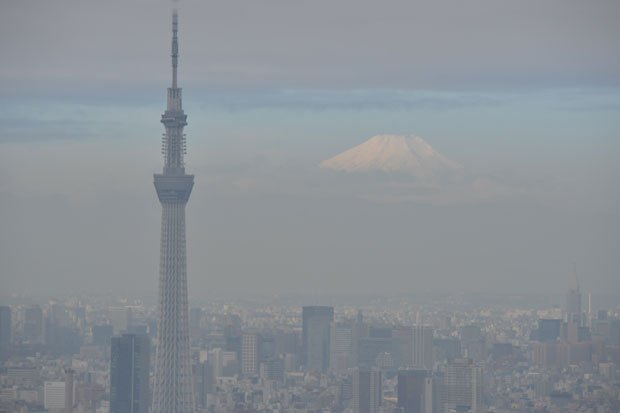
341 346
316 337
439 393
249 354
69 390
195 317
403 346
613 336
204 382
129 374
272 369
463 386
5 326
291 362
267 346
367 392
422 345
173 388
573 301
570 330
102 334
33 324
120 318
23 376
473 342
446 349
373 349
549 329
54 395
415 391
88 394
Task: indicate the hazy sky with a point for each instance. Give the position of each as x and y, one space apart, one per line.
524 94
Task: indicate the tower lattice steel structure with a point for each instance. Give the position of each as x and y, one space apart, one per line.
173 390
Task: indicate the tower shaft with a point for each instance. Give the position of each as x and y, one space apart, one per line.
173 389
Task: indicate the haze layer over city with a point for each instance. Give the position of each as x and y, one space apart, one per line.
523 95
396 207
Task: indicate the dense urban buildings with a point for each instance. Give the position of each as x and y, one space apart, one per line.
247 356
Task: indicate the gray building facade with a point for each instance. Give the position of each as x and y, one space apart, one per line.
129 374
316 337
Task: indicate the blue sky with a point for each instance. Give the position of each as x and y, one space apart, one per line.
308 125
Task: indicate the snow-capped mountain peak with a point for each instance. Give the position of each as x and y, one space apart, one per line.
392 153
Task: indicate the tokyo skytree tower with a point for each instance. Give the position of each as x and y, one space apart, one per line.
173 389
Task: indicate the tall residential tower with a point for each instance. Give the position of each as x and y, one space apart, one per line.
315 337
130 360
173 390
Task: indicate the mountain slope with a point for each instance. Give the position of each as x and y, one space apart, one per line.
392 153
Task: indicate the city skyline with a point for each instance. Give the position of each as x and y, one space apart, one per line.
486 355
399 207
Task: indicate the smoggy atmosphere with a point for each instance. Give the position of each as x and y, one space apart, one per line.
513 107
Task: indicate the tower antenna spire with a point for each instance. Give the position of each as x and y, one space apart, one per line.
175 47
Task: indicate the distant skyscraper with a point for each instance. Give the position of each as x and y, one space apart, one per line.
446 349
573 301
272 369
5 326
33 324
473 342
463 386
102 334
366 390
173 389
120 318
374 349
204 382
415 391
341 347
129 374
249 354
195 316
549 329
422 344
316 337
403 346
613 336
69 387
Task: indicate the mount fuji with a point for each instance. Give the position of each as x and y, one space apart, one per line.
398 154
